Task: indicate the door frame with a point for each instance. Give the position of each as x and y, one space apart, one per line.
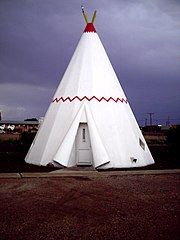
84 134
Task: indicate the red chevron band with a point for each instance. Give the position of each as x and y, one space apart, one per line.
56 100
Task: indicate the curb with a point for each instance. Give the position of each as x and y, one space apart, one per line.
68 173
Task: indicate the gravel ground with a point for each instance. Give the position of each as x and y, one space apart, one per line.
113 207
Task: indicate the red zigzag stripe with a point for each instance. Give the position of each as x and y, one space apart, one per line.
56 100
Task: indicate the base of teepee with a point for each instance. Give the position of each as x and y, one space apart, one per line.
75 169
81 168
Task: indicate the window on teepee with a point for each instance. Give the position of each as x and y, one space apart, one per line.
84 135
141 144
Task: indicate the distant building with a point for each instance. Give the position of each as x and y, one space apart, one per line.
18 126
155 134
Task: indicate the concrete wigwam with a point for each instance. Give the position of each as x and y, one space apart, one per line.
89 121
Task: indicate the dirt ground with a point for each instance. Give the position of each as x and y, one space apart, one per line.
112 207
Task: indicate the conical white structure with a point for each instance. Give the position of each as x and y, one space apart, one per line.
89 121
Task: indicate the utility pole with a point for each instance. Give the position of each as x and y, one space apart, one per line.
168 121
145 121
150 118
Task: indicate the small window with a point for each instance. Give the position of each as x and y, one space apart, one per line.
142 144
84 134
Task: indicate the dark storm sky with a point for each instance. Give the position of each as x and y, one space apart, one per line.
141 38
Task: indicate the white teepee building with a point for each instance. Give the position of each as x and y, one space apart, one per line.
89 121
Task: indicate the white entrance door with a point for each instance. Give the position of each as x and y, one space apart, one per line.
83 146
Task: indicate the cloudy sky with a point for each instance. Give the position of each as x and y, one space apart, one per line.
141 38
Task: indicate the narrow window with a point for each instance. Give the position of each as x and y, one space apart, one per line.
141 144
83 135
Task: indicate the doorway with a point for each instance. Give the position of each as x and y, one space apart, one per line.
83 146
